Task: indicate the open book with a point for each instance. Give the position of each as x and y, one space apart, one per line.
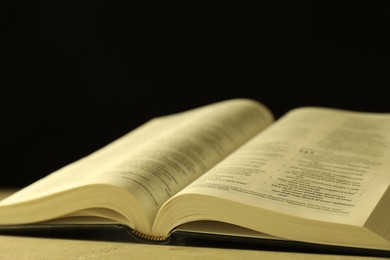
316 175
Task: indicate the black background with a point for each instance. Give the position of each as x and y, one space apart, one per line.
75 75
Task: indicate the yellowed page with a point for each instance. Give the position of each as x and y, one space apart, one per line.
316 163
158 159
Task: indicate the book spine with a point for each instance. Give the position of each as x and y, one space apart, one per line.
149 238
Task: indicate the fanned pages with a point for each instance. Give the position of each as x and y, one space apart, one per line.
315 175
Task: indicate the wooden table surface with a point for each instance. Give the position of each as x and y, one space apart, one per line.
29 247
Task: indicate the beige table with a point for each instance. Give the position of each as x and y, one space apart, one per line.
23 247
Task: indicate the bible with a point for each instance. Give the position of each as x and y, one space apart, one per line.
315 176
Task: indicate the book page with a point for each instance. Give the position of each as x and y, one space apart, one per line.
157 160
171 160
322 164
